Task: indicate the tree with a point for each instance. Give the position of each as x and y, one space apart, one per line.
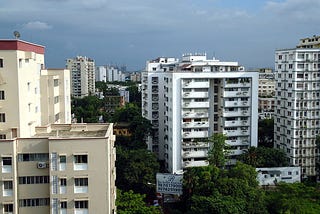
87 109
217 153
132 203
134 94
264 157
136 169
293 198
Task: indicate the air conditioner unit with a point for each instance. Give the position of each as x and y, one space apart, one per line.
42 165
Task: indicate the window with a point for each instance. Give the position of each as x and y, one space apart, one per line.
34 202
8 208
81 204
63 185
2 117
2 97
80 162
81 159
1 63
33 157
56 99
7 188
56 82
34 180
81 181
63 205
6 164
62 162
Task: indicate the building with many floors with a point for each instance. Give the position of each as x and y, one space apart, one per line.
29 95
63 168
297 105
189 101
82 76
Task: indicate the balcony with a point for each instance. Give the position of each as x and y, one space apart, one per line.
195 94
195 124
200 134
236 94
195 84
195 114
236 123
236 132
194 154
195 105
195 163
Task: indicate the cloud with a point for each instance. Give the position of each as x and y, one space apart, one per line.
37 25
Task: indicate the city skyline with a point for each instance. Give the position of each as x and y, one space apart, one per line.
129 34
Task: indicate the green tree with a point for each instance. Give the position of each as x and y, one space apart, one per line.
293 198
264 157
136 170
218 150
133 203
87 109
134 94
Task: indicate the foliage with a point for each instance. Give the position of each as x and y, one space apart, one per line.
293 198
132 203
266 132
264 157
211 189
87 109
134 94
136 169
140 127
217 152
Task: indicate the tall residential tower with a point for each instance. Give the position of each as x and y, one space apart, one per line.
189 101
297 104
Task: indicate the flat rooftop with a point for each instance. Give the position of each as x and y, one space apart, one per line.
74 130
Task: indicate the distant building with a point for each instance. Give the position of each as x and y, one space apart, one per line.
135 76
82 76
122 129
191 100
272 176
310 42
297 115
30 95
63 168
109 73
111 103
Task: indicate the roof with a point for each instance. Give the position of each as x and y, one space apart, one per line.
15 44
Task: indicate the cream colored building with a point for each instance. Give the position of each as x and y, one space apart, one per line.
62 169
82 76
29 95
55 96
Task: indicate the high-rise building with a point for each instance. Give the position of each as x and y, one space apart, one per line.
25 97
297 105
63 168
82 76
189 101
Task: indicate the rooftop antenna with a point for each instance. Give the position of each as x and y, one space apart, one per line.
16 34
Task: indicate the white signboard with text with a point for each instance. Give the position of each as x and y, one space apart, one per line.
169 183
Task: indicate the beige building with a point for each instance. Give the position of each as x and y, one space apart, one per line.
82 76
29 95
63 168
55 96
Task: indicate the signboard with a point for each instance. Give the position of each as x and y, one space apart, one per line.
169 183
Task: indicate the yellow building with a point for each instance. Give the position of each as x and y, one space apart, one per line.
63 168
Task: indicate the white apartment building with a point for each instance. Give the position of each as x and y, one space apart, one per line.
62 169
189 101
82 76
25 96
109 73
297 106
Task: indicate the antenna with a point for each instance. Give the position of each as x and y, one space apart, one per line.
16 34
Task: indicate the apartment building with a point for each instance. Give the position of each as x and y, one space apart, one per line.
297 106
109 73
82 76
189 101
25 95
55 96
266 93
63 168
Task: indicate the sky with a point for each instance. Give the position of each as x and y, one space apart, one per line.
128 32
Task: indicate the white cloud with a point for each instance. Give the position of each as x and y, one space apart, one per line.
37 25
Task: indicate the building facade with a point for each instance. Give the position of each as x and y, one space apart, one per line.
55 96
189 101
63 168
82 76
297 106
